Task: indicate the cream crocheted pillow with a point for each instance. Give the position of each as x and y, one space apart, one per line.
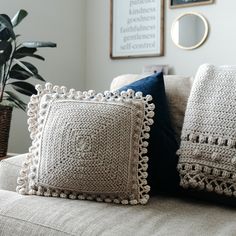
88 146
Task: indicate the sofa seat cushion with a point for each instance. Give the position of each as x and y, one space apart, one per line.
31 215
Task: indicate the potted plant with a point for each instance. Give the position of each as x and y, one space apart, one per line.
14 71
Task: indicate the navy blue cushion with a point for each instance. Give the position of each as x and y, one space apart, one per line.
162 172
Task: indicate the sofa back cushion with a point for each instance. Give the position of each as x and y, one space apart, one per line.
177 92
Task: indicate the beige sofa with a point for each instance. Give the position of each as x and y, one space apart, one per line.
164 215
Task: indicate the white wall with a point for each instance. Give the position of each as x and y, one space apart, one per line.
218 49
81 60
59 21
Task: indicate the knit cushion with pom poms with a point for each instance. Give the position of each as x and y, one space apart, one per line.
208 147
88 146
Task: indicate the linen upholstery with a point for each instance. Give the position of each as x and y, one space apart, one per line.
9 171
162 216
177 92
123 80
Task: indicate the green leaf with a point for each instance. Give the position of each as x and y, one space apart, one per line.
19 71
19 74
5 33
26 66
22 55
24 88
31 67
23 66
26 50
19 16
39 77
38 44
15 104
5 51
16 100
5 24
7 18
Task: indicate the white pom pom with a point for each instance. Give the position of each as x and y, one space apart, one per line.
72 196
39 88
149 98
133 202
48 86
124 202
150 121
130 93
47 193
22 191
90 198
55 194
63 195
32 192
123 94
117 201
99 96
20 181
144 175
138 94
145 144
144 150
98 199
145 167
64 89
152 106
143 201
81 197
108 200
145 159
151 114
91 93
56 88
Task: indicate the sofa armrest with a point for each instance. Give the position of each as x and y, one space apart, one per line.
9 172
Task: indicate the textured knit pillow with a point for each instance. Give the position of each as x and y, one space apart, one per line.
208 142
162 172
88 146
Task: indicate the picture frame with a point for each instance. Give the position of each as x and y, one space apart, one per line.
188 3
136 29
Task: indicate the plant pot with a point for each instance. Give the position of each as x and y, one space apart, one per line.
5 122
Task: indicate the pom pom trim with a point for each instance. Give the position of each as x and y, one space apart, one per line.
37 109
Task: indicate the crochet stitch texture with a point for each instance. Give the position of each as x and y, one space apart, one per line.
208 141
88 146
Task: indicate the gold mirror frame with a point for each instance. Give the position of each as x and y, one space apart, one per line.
204 36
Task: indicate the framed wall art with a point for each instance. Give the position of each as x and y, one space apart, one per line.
188 3
136 28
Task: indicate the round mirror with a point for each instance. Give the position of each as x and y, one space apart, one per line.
189 30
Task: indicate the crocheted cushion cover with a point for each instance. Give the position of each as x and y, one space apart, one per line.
88 146
208 147
162 168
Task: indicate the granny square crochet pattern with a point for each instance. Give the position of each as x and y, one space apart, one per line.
88 146
208 147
